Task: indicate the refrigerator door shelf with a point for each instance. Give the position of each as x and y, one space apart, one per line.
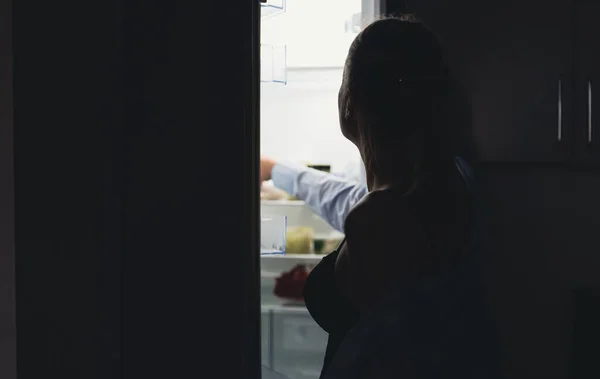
273 64
273 234
299 213
271 8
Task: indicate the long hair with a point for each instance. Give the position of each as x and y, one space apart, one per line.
398 92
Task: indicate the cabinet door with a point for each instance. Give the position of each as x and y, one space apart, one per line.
514 58
587 84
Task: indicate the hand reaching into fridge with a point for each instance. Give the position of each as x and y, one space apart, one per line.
266 168
266 173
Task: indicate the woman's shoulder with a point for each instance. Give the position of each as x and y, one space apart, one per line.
379 209
415 223
375 224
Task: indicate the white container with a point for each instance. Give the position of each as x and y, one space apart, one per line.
272 234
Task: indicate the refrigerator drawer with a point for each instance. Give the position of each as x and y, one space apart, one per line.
265 331
298 344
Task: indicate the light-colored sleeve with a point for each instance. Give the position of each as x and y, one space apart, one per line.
328 195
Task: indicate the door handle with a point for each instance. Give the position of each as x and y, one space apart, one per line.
559 110
590 127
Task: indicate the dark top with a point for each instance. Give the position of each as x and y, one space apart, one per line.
327 305
330 309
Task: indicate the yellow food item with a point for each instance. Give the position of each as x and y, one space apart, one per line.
299 240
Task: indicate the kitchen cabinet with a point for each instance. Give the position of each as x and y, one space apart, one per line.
587 75
514 58
586 333
541 243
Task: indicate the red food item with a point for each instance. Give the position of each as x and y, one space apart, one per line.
289 285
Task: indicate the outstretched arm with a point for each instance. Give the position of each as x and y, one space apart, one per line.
328 195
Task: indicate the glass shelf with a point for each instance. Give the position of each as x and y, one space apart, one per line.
271 8
273 64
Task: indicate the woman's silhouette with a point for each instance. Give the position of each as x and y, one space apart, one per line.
400 296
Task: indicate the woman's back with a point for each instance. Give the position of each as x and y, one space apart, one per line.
393 237
434 326
420 308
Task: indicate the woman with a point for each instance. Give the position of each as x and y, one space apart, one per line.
400 296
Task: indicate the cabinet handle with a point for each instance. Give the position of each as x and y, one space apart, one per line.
589 115
559 110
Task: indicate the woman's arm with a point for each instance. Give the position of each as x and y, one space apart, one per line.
330 196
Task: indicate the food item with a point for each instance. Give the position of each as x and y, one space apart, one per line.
299 240
325 244
290 285
272 193
318 245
